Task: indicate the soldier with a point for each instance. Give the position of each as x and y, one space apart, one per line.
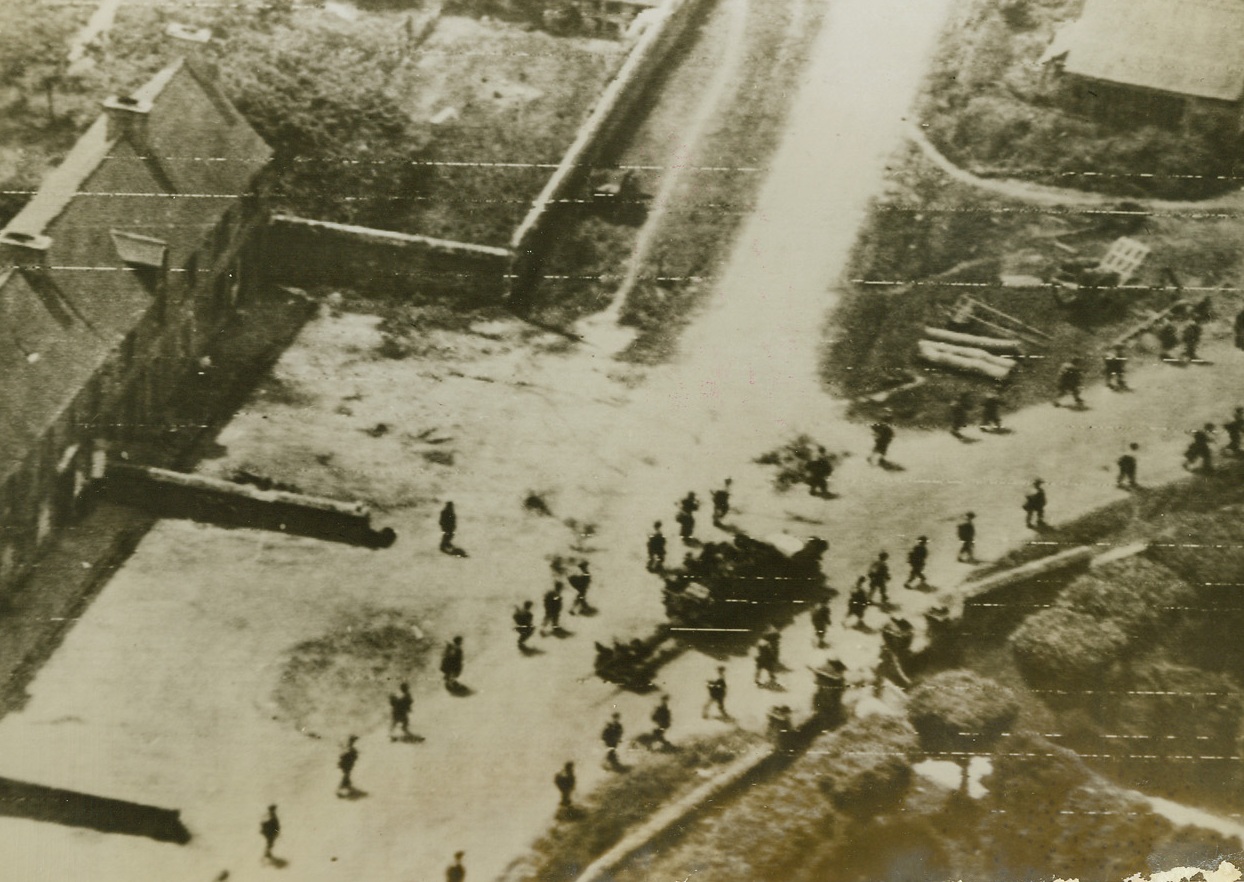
1199 449
612 736
689 503
270 829
399 711
662 719
346 762
1116 364
1070 379
991 412
883 434
879 577
1127 468
916 559
455 872
1234 429
524 623
1191 338
959 414
449 526
721 503
1034 506
686 524
451 663
820 622
656 549
717 694
766 663
552 609
966 531
1238 328
820 467
580 582
565 781
858 602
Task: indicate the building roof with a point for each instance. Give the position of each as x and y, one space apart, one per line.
123 200
1185 47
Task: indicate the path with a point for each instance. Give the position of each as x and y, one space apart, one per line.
708 108
164 691
96 26
1045 194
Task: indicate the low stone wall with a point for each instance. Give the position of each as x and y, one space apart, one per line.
308 253
617 101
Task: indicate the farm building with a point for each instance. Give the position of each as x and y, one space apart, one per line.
1170 63
114 279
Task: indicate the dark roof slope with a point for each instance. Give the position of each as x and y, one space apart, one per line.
171 183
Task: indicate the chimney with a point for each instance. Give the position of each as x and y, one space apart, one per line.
127 117
28 251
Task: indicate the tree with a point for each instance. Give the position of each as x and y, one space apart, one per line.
960 713
345 147
34 51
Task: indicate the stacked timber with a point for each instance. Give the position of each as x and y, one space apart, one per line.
992 357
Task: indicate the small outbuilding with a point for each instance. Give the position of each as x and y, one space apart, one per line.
1171 63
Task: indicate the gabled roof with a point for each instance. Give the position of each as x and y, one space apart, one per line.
121 204
1185 47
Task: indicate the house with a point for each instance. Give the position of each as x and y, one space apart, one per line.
610 18
1172 63
114 278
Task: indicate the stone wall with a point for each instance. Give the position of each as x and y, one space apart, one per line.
309 253
606 122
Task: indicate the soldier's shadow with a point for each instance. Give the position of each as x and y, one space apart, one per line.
570 813
967 439
408 738
561 633
531 650
277 862
351 793
891 466
999 430
459 690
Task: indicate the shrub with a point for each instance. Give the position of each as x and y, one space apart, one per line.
1202 547
960 712
1134 594
865 767
1061 644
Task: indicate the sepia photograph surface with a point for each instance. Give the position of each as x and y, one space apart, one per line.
621 440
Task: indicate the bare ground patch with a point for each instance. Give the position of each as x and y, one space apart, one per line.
341 680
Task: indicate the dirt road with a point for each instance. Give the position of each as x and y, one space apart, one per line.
175 687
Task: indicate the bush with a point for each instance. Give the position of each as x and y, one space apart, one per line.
1061 644
1203 548
865 767
960 712
1134 594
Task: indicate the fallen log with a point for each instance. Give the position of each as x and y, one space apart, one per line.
934 354
989 344
1002 361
